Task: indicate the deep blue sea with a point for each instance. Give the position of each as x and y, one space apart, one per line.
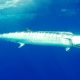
33 62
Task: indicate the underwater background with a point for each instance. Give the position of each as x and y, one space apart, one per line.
33 62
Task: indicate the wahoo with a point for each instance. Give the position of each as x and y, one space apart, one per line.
52 38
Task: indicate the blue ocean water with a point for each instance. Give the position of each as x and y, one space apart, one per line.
33 62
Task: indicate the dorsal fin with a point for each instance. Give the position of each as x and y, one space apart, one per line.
28 29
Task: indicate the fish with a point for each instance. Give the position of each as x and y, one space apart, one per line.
46 38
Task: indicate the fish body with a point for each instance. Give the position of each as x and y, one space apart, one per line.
53 38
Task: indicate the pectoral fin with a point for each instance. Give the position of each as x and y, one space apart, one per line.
68 48
71 44
21 45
